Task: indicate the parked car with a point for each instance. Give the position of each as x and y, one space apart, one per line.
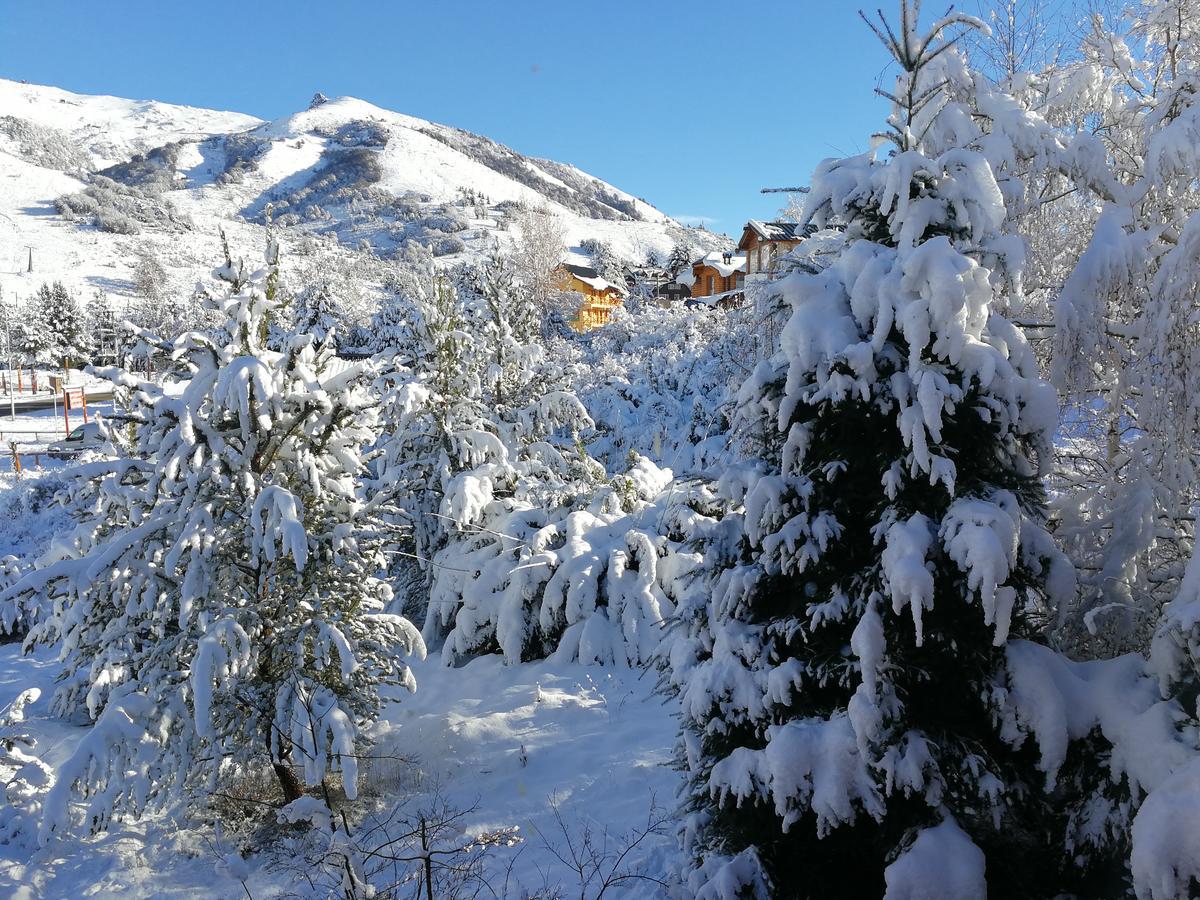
84 437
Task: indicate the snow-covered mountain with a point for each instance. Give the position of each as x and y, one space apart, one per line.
90 184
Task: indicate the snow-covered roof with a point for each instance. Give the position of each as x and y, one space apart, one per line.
776 231
716 260
592 278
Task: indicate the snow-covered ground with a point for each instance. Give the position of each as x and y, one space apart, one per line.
565 753
33 429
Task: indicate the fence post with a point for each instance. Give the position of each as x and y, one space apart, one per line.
16 458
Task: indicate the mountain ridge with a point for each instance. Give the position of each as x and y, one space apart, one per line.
92 183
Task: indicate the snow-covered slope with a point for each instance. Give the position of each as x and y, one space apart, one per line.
111 129
339 178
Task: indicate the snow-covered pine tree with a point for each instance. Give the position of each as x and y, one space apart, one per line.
434 423
509 326
603 259
67 324
219 607
680 259
55 330
844 687
315 312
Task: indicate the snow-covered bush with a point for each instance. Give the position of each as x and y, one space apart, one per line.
121 208
594 581
315 312
660 383
24 775
45 146
527 548
153 171
219 605
30 519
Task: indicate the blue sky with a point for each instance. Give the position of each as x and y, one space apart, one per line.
692 105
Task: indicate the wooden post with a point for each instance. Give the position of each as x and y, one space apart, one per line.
66 417
16 458
20 380
83 401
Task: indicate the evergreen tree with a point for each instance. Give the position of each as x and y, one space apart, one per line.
525 472
435 420
315 312
680 259
54 331
603 260
883 577
31 338
219 605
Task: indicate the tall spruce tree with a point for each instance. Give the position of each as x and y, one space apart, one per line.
845 682
60 319
219 606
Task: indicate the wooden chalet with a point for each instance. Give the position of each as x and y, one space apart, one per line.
718 273
599 297
763 243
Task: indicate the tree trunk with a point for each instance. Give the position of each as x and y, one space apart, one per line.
292 789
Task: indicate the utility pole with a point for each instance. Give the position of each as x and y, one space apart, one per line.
12 400
30 269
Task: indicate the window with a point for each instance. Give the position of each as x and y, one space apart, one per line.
710 284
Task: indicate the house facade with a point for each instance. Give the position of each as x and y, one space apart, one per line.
718 273
763 243
718 279
598 297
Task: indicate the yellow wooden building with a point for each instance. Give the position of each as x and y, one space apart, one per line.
598 297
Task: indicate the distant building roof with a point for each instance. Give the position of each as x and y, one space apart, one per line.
591 277
579 271
775 231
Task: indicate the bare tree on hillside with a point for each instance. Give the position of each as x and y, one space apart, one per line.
540 247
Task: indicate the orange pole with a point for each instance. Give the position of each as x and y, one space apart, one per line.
83 399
